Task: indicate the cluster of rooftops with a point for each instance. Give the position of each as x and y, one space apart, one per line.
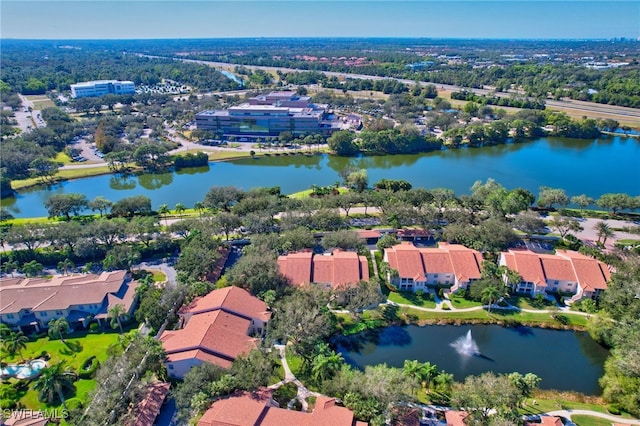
228 322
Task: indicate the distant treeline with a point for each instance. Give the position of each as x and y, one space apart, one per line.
516 102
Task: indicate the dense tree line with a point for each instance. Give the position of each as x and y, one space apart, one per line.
522 102
34 68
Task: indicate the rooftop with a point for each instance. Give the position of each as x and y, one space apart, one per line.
64 291
413 262
339 269
257 408
232 299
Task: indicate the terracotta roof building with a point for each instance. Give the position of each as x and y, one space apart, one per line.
563 272
30 303
26 418
216 328
258 408
547 421
145 413
340 269
448 264
455 418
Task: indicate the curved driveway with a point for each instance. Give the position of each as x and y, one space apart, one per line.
613 419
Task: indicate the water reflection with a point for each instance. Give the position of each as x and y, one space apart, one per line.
193 170
153 181
546 353
122 182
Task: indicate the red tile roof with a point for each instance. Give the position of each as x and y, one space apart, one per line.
339 269
590 273
368 233
218 337
547 421
413 262
63 291
145 413
527 264
455 418
296 267
258 408
230 299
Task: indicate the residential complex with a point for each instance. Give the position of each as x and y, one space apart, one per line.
259 409
30 303
268 116
449 264
102 87
216 328
328 271
563 272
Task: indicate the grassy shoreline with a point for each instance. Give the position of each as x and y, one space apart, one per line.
102 169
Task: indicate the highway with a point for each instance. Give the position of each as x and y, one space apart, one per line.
569 105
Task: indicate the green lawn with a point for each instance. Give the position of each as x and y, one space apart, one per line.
158 276
78 347
409 298
589 421
459 302
525 302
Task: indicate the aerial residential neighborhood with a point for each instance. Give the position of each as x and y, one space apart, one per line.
320 213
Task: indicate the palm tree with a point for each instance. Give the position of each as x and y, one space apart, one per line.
10 266
412 369
15 343
64 265
58 327
180 208
116 313
427 372
31 269
604 231
199 207
54 382
490 295
163 210
443 381
325 365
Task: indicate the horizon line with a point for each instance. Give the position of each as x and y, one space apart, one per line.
635 38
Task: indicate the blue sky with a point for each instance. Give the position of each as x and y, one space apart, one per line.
93 19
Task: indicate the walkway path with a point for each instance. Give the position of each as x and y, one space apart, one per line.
616 419
303 392
439 303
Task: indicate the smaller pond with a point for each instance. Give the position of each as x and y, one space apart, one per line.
565 360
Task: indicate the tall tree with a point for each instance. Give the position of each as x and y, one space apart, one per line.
65 204
490 295
116 313
604 231
58 327
15 343
54 382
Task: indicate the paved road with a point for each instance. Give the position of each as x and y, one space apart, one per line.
616 419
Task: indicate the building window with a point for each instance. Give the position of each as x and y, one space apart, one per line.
43 314
59 313
556 282
9 316
170 366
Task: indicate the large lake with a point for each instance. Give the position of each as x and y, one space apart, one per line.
592 167
565 360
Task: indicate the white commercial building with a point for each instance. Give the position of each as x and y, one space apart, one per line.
102 87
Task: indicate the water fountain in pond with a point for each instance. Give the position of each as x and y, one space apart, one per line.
465 345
